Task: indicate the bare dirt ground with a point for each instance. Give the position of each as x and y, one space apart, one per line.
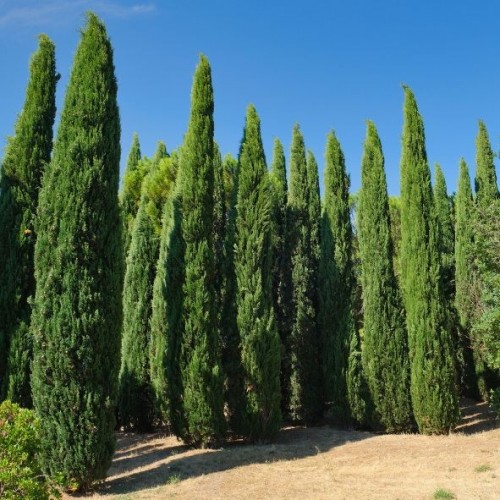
316 463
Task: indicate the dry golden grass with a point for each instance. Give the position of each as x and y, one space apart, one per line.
315 463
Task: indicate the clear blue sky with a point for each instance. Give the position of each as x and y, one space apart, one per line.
324 64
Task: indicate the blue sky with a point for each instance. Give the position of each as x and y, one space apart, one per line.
324 64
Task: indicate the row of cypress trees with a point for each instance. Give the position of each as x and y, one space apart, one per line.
240 293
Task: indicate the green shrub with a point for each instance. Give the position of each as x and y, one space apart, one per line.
20 473
495 401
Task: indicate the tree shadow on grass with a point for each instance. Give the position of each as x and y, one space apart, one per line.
476 417
163 465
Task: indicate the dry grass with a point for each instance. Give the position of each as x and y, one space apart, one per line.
315 463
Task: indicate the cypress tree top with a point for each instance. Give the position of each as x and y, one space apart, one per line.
486 178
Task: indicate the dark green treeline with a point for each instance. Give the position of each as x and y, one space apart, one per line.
259 339
385 350
433 391
26 157
78 268
306 394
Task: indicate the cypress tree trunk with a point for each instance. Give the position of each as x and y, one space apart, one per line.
259 339
433 390
282 267
200 349
464 281
385 350
77 311
337 281
305 398
26 157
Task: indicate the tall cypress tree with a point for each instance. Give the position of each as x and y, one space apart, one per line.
26 157
200 349
78 268
464 281
259 339
136 401
131 191
433 390
337 281
305 398
486 178
385 349
282 266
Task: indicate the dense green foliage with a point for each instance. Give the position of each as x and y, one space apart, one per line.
200 357
259 339
433 390
20 442
385 349
337 281
305 397
26 157
78 268
486 178
282 266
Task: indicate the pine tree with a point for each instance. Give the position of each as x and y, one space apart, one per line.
337 281
200 350
433 390
282 266
464 281
259 339
136 400
131 190
305 398
385 349
26 157
486 179
78 269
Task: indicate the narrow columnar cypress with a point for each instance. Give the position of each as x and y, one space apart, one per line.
443 208
160 152
282 266
337 281
27 154
77 315
234 391
131 191
136 398
433 391
464 280
486 179
385 346
200 350
259 338
305 397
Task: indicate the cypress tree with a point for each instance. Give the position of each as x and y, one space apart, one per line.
160 152
136 400
486 179
385 349
305 397
433 391
464 280
447 238
131 190
26 157
337 281
259 339
200 349
78 269
282 266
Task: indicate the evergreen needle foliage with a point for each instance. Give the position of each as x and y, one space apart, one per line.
433 390
282 266
26 157
78 269
337 281
259 339
385 349
305 397
486 179
200 357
